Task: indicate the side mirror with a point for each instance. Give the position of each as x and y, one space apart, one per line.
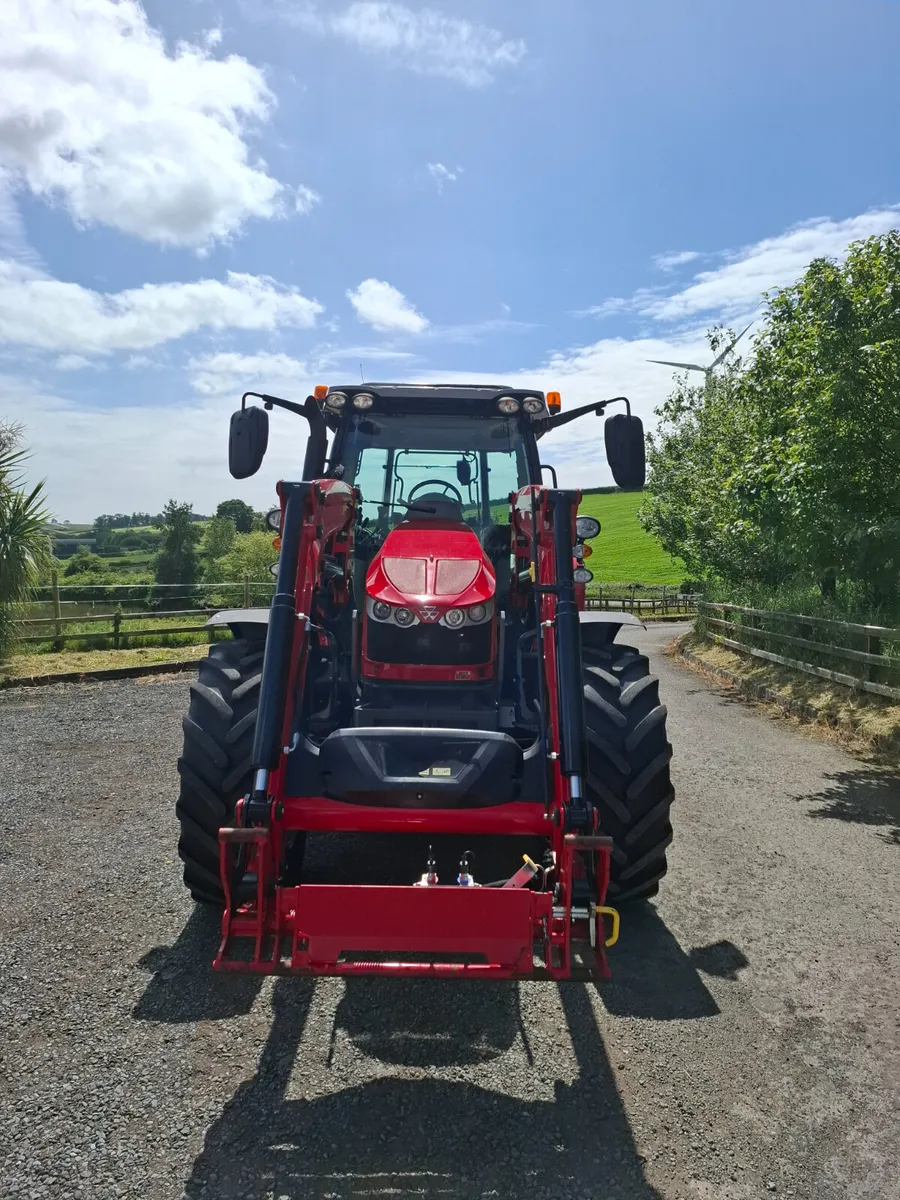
247 441
464 472
624 437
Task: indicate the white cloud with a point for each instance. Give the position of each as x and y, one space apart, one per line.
71 362
96 459
441 175
608 308
385 308
51 314
305 199
423 40
667 262
736 287
98 115
234 374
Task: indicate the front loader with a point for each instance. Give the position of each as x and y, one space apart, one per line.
425 676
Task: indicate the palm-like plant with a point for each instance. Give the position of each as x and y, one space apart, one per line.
25 551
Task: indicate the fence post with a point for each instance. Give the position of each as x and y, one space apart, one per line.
117 625
873 646
246 591
57 608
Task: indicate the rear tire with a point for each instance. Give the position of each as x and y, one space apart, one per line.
216 763
628 766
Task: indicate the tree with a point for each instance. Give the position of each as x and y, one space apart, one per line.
25 550
252 554
178 561
83 562
219 537
239 512
789 470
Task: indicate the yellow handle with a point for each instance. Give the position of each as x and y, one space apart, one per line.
614 936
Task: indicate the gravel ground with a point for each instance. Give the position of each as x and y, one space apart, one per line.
747 1047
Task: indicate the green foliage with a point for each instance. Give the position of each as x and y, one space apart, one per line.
786 474
251 554
218 537
24 542
239 512
624 550
178 560
83 562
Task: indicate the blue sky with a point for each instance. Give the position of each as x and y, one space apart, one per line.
198 198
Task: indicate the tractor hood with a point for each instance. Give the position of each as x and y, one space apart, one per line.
431 563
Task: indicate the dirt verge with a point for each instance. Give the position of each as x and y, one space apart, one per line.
867 725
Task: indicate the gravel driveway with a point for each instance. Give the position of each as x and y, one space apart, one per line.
747 1047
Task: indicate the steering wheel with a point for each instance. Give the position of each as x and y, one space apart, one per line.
441 483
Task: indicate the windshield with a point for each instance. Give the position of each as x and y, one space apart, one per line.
395 460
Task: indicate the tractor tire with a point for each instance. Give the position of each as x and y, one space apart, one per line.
215 764
628 757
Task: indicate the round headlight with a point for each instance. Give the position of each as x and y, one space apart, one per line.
335 400
532 405
363 400
454 617
381 611
477 613
404 617
273 519
587 527
508 405
582 575
578 551
273 570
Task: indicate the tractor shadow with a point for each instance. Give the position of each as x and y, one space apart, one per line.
860 797
654 979
184 987
441 1136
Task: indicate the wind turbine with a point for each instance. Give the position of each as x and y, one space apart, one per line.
707 371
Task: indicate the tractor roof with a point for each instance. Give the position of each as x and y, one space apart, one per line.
441 391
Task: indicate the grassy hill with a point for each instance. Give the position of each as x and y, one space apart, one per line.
624 552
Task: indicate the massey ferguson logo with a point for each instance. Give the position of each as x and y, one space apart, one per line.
429 614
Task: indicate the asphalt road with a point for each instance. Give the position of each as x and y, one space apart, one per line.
747 1047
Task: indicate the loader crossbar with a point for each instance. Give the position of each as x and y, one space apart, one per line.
464 932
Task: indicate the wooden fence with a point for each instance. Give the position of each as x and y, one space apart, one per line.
665 604
859 650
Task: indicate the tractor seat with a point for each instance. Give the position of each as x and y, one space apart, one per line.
445 508
412 767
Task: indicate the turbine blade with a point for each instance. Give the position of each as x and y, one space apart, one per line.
731 345
664 362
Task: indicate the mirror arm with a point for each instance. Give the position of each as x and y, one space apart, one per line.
545 424
271 402
314 462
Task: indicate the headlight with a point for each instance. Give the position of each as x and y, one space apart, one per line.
477 613
582 575
335 400
381 611
454 617
578 551
404 617
273 519
532 405
273 570
587 527
363 400
508 405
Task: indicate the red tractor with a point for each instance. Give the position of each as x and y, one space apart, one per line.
426 668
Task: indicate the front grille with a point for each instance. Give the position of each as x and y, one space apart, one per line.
429 645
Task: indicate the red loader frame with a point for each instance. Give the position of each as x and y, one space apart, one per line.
507 932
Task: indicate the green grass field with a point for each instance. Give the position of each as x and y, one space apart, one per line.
624 552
